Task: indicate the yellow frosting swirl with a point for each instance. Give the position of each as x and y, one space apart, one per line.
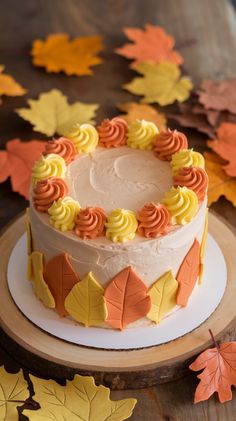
84 137
141 134
51 165
182 203
121 225
63 213
186 158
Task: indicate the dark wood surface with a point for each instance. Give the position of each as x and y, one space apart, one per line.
211 24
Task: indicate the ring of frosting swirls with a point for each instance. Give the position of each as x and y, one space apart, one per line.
121 225
154 220
63 213
168 142
84 137
194 178
90 223
51 165
112 133
186 158
141 134
182 203
63 147
48 191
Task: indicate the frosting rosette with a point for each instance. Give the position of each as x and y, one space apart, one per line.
168 142
182 203
154 220
63 213
84 137
90 223
51 165
63 147
141 134
48 191
186 158
194 178
121 225
112 133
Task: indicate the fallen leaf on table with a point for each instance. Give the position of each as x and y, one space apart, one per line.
57 53
138 111
8 85
161 83
13 392
79 400
220 184
17 162
225 146
51 113
218 95
150 44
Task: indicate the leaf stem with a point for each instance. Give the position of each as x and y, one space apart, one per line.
213 340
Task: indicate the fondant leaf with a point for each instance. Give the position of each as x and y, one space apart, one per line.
163 296
126 298
203 248
29 245
40 287
60 277
13 387
188 274
134 111
85 302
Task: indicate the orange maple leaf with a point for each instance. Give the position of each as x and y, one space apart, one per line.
17 162
8 85
138 111
75 57
151 44
225 146
218 95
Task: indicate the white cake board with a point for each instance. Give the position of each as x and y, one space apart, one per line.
202 304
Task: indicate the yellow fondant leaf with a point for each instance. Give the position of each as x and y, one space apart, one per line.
40 287
79 400
163 296
13 387
203 248
85 302
29 244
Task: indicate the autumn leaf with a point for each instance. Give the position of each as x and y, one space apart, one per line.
8 85
220 184
41 289
138 111
188 274
13 391
57 53
161 83
218 95
225 146
79 400
151 44
17 162
51 113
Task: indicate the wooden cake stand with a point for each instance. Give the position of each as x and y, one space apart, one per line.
48 356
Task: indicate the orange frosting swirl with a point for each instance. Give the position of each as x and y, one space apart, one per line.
154 220
112 133
47 191
195 178
63 147
90 223
168 142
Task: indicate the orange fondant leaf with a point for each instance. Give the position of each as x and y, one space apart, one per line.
151 44
225 146
219 95
60 277
126 299
188 274
8 85
57 53
138 111
17 162
219 372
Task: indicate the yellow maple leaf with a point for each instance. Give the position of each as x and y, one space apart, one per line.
57 53
79 400
13 390
138 111
85 302
51 113
163 296
161 83
40 287
8 85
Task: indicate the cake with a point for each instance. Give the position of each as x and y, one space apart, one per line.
117 224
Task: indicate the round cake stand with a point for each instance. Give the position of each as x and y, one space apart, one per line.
51 357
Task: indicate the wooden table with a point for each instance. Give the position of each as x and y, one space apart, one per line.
210 23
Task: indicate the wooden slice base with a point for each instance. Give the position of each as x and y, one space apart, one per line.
51 357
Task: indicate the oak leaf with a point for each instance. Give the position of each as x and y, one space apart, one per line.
225 146
188 274
13 391
57 53
79 400
218 95
41 289
51 113
17 162
138 111
161 83
151 44
8 85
